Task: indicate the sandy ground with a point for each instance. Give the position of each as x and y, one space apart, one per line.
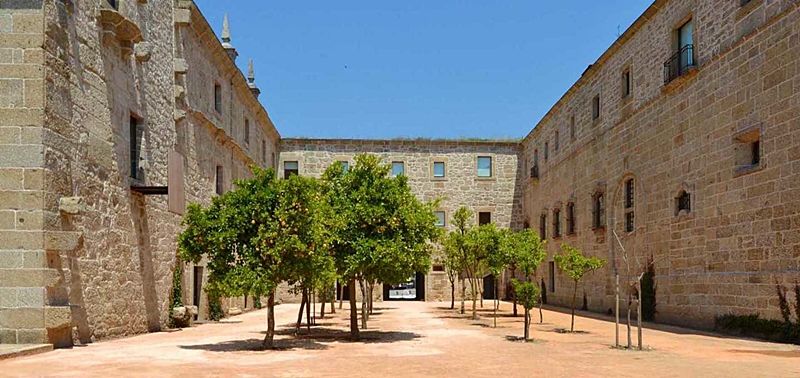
414 339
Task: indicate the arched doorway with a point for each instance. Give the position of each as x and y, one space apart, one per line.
489 287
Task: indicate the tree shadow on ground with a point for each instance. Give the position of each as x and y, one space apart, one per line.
771 353
335 334
564 330
256 345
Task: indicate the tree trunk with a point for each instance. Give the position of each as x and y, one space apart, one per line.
527 333
473 286
616 310
370 292
574 295
308 311
341 294
453 295
496 301
333 301
322 308
270 336
630 343
463 293
639 313
300 313
541 315
363 305
354 335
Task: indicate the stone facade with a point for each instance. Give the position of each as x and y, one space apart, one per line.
701 174
83 255
740 235
498 194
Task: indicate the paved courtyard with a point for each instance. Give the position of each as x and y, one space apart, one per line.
413 339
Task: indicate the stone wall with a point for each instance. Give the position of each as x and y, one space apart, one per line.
498 194
84 256
741 235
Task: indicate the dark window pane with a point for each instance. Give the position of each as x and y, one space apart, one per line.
484 218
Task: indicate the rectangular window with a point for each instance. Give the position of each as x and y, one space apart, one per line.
628 193
484 166
290 168
135 146
596 107
598 211
345 164
570 218
683 202
626 83
438 169
556 223
543 226
438 268
218 98
219 180
246 131
629 221
440 218
546 151
551 270
755 152
264 151
556 142
748 151
572 134
398 168
685 40
484 217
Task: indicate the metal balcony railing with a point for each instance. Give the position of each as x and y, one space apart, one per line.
679 63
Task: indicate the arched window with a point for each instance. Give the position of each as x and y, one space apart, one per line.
556 223
543 226
683 202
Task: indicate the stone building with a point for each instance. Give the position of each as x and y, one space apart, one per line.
683 138
113 114
481 175
680 144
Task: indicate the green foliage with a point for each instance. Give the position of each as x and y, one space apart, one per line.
649 292
380 230
462 219
257 302
214 305
575 264
783 303
176 296
524 250
528 293
754 326
483 247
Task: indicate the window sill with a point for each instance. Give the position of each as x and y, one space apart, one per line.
747 169
438 178
485 179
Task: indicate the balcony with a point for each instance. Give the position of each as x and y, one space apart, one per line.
679 64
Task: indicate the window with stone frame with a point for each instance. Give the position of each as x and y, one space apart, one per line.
218 98
570 218
135 146
441 218
572 132
556 223
748 150
598 210
246 131
398 168
345 165
484 166
263 151
629 213
484 217
439 170
219 180
556 142
683 203
543 226
596 107
626 83
290 168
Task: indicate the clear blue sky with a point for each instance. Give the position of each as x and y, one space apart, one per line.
413 68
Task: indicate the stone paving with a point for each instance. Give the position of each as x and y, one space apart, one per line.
412 339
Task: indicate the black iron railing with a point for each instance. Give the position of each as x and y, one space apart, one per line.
679 63
535 172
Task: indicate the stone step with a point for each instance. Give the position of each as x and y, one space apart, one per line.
18 350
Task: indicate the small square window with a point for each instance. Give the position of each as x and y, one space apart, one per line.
345 165
484 166
683 202
440 218
748 151
398 168
290 168
438 169
438 268
484 217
